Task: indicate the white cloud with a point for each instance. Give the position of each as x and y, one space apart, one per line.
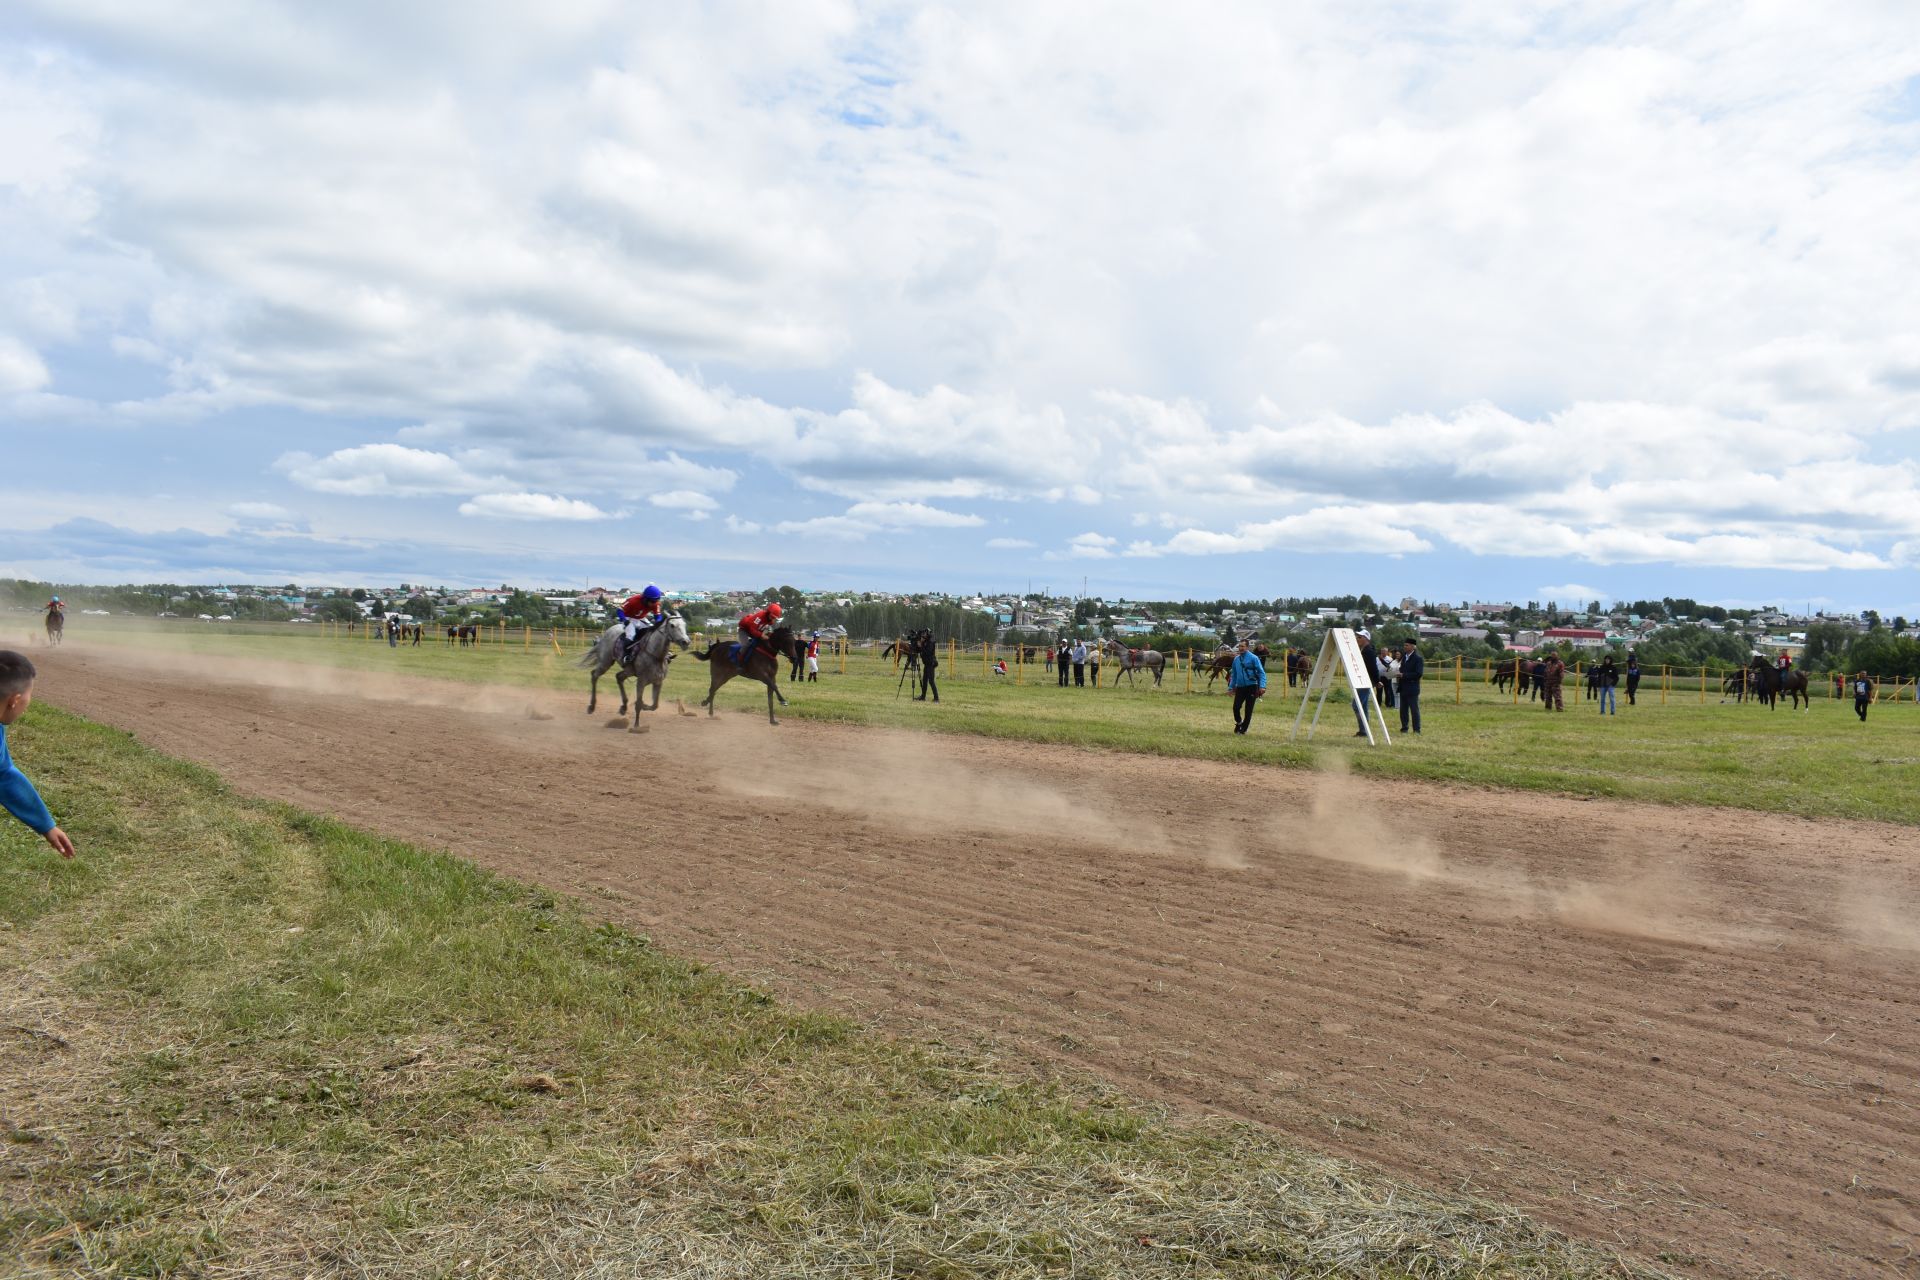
386 470
21 368
258 511
1324 529
683 500
530 506
863 519
1327 278
1009 544
911 515
1086 546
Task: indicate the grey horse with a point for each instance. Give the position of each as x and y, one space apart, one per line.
648 667
1132 661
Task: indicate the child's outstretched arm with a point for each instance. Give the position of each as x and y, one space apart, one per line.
18 797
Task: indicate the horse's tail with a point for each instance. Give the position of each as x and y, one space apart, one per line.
706 654
591 656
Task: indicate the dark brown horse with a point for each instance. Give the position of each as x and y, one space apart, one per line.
1508 671
1770 684
56 625
1222 660
764 666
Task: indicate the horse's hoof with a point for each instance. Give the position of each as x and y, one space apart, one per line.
641 728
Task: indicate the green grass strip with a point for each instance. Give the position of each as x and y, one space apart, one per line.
246 1040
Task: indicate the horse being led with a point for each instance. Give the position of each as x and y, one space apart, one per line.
764 666
1151 661
647 664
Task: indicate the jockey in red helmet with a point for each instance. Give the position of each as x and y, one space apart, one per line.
753 629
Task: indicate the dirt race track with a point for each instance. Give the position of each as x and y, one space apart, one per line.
1681 1032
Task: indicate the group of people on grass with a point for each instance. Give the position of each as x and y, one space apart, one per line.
1083 658
1396 681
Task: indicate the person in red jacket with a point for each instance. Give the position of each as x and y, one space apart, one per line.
640 612
753 629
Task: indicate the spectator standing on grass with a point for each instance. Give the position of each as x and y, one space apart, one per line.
1079 663
1049 658
1609 678
1247 677
1550 696
17 795
1061 662
1093 664
1633 677
1539 679
1413 668
929 659
1369 677
1862 696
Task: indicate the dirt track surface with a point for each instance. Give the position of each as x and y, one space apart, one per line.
1681 1032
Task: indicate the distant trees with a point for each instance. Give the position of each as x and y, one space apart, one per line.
888 620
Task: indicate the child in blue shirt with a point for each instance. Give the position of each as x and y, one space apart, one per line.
17 795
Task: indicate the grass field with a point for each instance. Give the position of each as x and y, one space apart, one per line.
1821 763
241 1040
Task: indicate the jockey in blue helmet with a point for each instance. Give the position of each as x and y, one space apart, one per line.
641 612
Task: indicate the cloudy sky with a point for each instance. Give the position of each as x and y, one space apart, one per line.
1501 299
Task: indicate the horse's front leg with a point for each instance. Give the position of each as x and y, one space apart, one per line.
772 693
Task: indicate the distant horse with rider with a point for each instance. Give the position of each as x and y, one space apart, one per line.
721 658
1770 683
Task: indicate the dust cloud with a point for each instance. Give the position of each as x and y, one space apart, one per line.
914 782
1873 914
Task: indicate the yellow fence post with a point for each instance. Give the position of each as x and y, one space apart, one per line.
1456 680
1665 672
1189 671
1703 686
1019 664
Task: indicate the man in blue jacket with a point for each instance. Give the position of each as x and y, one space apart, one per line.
1248 680
1412 667
17 795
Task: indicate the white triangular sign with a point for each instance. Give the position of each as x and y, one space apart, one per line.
1341 643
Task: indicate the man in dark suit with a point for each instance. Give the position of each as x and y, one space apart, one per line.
1412 667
